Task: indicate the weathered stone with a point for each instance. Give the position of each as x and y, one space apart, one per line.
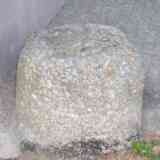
79 83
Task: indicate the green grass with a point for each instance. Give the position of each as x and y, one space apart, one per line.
145 149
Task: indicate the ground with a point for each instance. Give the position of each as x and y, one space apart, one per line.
148 149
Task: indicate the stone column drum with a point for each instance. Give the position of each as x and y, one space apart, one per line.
79 83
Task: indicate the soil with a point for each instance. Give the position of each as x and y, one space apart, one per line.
112 156
121 156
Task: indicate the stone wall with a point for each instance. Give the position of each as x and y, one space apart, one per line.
18 18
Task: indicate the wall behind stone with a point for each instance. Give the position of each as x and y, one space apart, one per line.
17 18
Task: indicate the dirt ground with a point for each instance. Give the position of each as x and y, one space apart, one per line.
112 156
121 156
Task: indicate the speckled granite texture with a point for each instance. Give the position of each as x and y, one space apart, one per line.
79 83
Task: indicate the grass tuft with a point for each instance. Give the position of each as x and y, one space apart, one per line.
145 149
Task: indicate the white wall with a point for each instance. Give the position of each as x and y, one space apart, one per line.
18 17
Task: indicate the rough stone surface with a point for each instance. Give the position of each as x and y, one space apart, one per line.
139 20
8 142
152 117
79 83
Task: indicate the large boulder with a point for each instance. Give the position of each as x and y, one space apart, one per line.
79 83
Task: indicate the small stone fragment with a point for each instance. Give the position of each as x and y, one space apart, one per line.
156 150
